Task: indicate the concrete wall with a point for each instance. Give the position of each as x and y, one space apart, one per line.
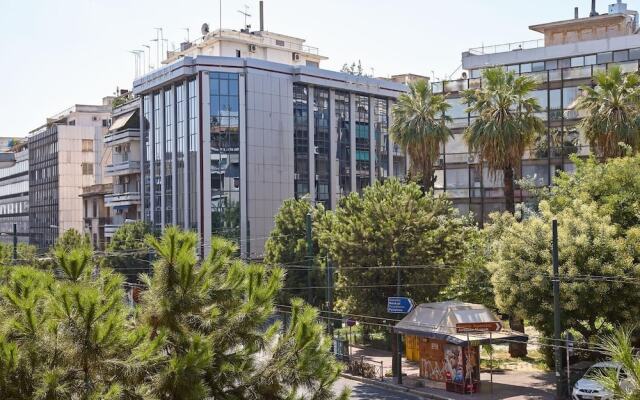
269 162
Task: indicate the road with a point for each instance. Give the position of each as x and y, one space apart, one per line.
363 391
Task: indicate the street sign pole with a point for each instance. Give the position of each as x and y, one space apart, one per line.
556 311
398 337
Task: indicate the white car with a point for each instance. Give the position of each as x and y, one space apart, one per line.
588 389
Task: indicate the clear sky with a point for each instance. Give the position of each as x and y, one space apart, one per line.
56 53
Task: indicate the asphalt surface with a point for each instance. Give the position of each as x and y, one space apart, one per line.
360 390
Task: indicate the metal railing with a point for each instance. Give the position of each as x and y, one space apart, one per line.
505 47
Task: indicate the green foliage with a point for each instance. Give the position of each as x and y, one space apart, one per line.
420 127
612 112
392 224
471 280
619 348
127 252
354 69
70 239
506 124
27 253
613 185
590 245
203 329
287 246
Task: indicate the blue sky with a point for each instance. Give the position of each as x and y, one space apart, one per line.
58 53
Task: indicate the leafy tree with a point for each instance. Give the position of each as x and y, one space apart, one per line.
70 239
211 333
27 254
392 224
420 127
612 112
287 247
127 251
613 185
506 124
590 246
471 279
619 349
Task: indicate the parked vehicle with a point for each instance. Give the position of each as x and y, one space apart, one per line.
588 388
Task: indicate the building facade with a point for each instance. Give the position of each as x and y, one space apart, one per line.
566 59
14 192
226 140
123 142
65 156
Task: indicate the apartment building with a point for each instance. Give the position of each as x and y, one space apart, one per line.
562 61
65 156
231 128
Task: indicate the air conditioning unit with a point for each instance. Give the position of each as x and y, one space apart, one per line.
317 177
296 176
471 159
252 48
295 57
315 150
118 149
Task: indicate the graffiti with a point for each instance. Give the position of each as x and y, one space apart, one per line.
434 370
454 363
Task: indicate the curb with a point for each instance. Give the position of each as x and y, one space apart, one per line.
394 387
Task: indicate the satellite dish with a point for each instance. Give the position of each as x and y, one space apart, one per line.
204 29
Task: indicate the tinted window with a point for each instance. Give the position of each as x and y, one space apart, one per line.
577 61
564 63
621 55
525 68
604 57
552 64
590 60
537 66
634 54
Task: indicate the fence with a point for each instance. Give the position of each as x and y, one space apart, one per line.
357 365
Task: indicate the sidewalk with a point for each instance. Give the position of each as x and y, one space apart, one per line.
506 385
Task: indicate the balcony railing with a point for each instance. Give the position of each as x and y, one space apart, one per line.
113 138
122 199
123 168
501 48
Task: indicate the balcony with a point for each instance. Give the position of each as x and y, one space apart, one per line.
121 137
122 199
123 168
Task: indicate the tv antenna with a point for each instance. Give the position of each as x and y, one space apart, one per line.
246 14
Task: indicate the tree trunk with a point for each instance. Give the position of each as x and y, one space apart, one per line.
509 196
517 349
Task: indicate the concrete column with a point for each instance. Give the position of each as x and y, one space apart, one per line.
312 147
174 158
333 152
352 139
244 184
205 151
372 144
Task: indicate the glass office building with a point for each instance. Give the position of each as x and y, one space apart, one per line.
560 67
227 140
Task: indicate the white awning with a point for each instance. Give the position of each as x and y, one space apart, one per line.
121 121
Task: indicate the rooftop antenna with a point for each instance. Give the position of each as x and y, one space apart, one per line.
142 66
593 12
187 29
220 16
160 44
246 14
148 55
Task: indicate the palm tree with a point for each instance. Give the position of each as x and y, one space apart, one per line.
420 127
619 349
613 114
506 123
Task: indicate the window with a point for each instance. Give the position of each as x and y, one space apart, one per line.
537 66
280 43
590 60
72 122
554 99
105 123
605 57
87 168
513 68
238 54
95 208
577 61
634 54
87 145
524 68
622 55
551 64
564 63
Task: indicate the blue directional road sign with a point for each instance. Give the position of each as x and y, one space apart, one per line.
399 305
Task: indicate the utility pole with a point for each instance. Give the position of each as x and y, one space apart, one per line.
398 337
309 256
330 295
556 311
15 243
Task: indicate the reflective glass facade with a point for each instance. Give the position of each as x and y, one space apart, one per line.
146 157
43 187
181 125
343 134
363 158
157 162
168 155
225 154
381 130
194 146
301 140
321 142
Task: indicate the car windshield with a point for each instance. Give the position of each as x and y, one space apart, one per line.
599 371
